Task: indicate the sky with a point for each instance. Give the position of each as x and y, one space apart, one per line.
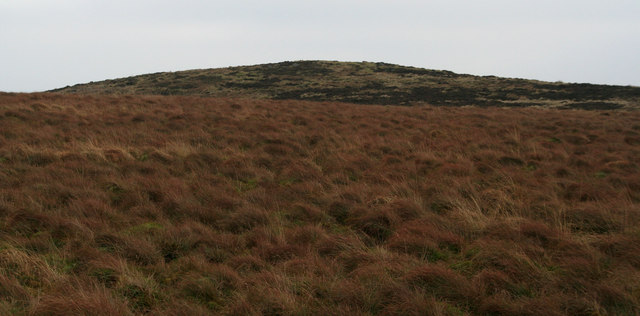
47 44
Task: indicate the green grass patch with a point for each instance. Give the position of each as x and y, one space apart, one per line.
601 174
287 182
245 185
146 227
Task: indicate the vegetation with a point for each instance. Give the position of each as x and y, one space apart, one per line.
367 83
128 205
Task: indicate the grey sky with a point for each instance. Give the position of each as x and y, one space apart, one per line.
50 44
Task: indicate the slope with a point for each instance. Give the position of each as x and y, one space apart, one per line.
366 83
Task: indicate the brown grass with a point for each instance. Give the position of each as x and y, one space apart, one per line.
194 206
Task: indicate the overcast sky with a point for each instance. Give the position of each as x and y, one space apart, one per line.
50 44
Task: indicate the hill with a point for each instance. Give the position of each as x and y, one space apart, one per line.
366 83
132 205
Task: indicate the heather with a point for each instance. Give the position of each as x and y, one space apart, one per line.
367 83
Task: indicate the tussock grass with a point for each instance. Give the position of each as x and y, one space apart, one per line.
192 206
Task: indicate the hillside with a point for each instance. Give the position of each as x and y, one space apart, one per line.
366 83
151 205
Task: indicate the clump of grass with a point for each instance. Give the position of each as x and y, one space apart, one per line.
80 299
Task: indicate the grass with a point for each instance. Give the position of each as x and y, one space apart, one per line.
129 205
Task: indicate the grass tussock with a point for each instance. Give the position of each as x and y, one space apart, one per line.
194 206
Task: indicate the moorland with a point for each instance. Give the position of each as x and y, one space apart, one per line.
244 205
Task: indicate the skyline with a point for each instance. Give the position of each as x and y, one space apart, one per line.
49 45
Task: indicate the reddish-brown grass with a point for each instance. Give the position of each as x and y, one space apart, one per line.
194 206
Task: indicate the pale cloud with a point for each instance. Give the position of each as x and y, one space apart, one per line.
49 44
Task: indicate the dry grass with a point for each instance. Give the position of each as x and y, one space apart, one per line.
194 206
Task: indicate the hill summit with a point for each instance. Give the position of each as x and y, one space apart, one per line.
366 83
